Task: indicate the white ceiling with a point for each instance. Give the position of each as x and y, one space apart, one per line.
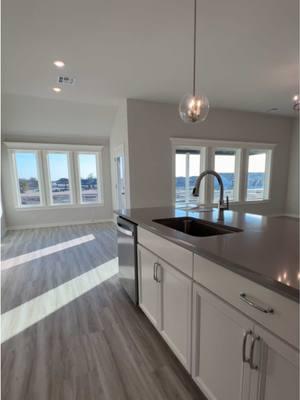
247 58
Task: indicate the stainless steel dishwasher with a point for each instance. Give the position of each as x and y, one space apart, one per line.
127 253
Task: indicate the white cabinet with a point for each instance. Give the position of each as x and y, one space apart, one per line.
149 289
229 364
219 332
277 375
176 304
226 342
166 298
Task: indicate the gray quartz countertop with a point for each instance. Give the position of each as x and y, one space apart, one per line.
266 251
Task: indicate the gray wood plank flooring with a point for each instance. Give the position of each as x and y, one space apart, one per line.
98 346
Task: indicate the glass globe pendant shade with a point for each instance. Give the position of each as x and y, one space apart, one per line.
193 109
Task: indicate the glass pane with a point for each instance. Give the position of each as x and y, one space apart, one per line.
59 178
187 170
27 173
194 172
180 178
88 178
256 175
225 166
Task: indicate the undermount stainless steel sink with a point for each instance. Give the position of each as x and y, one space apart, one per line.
196 227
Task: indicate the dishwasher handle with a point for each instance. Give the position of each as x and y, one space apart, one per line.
125 231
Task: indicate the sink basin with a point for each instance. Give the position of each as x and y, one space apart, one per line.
196 227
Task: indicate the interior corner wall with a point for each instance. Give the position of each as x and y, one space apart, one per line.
119 137
292 199
151 125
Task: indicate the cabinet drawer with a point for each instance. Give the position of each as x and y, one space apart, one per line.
284 321
177 256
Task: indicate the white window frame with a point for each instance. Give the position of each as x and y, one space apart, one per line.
208 148
268 171
15 177
42 150
48 177
202 168
99 180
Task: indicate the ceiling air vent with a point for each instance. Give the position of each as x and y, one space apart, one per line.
65 80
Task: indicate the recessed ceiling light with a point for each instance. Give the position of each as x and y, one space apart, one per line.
56 89
59 64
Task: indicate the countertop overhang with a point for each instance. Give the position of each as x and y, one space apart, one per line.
266 251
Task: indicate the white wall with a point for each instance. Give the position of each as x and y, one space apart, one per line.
151 124
292 200
27 115
119 137
35 120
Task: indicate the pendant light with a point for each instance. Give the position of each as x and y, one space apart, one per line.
194 108
296 102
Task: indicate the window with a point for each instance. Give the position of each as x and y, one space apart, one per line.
187 170
258 175
244 167
59 180
88 178
225 163
28 182
56 175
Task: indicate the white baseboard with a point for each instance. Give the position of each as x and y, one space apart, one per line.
55 224
284 215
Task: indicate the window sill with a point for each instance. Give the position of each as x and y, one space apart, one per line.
233 203
59 207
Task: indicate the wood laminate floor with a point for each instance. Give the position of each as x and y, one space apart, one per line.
71 331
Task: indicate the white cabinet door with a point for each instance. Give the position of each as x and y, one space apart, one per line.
277 375
176 305
219 332
149 288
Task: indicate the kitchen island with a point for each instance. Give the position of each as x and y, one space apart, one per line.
228 304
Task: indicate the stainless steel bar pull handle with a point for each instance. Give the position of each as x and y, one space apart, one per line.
245 358
251 303
124 231
252 348
154 271
158 280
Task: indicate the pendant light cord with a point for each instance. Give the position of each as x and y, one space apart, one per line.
194 61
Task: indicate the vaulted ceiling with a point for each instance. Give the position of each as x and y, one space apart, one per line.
247 50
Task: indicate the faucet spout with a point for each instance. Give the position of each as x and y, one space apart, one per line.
222 206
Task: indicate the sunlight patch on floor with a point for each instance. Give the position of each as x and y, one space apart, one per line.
33 255
33 311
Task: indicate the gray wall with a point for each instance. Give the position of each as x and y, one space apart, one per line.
119 137
28 115
28 119
150 126
292 201
3 222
